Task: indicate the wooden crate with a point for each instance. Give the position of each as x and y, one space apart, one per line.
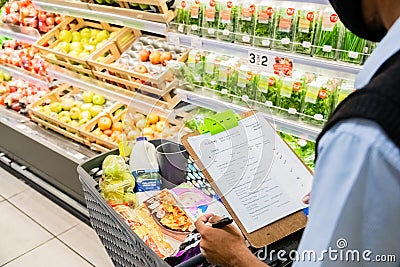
164 14
50 40
160 86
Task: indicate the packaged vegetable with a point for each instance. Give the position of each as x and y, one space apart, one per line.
246 22
211 70
195 64
264 29
353 47
225 79
269 88
293 92
182 15
246 86
318 100
196 118
195 17
343 91
210 19
285 19
228 15
305 30
304 148
327 36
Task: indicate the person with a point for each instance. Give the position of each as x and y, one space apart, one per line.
355 197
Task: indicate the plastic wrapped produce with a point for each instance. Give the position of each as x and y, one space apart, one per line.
284 27
228 14
305 29
246 22
264 28
210 19
327 36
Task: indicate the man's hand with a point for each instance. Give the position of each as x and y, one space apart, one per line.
306 199
224 247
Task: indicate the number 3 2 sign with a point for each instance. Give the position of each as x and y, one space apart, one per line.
256 58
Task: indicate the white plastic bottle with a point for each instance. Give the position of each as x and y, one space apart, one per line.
144 166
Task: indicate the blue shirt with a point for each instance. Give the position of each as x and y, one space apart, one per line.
355 198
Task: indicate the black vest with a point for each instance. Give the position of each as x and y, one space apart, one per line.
379 101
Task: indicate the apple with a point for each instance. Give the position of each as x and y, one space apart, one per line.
65 119
155 57
64 46
140 69
102 36
99 100
77 104
74 123
87 96
55 107
76 46
64 114
65 36
86 106
85 115
104 123
144 6
66 104
94 33
75 113
85 33
85 41
89 48
76 37
144 55
165 56
95 110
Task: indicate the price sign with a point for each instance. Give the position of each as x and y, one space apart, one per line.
257 58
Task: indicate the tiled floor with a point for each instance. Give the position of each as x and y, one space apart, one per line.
36 232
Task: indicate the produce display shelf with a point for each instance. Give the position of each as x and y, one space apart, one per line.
207 98
23 75
305 63
319 2
142 103
83 10
25 34
46 154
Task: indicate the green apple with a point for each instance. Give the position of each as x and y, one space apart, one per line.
144 6
89 48
76 37
64 46
55 107
85 115
83 121
75 113
93 33
85 41
102 36
76 46
66 104
47 110
87 96
85 33
76 104
95 110
65 36
99 100
86 106
65 119
64 114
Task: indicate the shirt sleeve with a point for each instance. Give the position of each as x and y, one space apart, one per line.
352 180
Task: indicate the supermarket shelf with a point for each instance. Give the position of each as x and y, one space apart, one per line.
46 154
83 10
23 75
25 34
319 2
345 70
207 98
141 103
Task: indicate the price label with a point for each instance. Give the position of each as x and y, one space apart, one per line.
353 55
327 48
246 39
225 32
318 117
268 103
181 28
258 58
224 91
245 98
285 41
196 43
211 31
194 27
265 42
292 111
306 44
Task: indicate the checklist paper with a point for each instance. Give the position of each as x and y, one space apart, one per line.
258 174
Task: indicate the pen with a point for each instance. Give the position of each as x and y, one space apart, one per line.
199 259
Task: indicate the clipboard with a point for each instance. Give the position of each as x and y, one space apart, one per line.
269 233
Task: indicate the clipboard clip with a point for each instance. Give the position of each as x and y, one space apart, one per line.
220 122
